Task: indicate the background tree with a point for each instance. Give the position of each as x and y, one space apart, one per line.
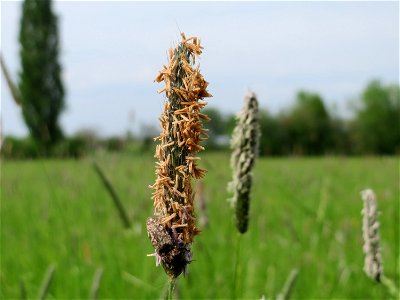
217 128
340 142
274 137
308 125
377 122
40 86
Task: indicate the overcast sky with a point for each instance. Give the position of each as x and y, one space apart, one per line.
111 52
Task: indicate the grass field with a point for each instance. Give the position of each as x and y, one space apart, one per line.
305 213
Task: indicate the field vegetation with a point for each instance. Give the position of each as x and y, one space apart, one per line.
305 214
64 237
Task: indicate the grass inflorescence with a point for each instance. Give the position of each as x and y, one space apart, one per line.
173 226
373 259
244 144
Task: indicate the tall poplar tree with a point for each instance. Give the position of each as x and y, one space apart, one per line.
40 85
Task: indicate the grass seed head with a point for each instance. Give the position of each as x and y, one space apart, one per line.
179 142
373 259
244 144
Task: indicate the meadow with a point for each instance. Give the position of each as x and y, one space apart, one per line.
305 214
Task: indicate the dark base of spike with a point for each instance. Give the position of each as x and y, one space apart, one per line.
174 254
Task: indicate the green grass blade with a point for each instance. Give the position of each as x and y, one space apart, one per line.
94 291
114 196
22 290
44 288
289 284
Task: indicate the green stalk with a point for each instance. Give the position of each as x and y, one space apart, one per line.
22 290
391 287
236 270
94 291
47 279
114 196
170 291
289 284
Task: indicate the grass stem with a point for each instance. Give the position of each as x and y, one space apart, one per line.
44 288
22 290
289 284
170 291
391 287
114 196
94 291
236 270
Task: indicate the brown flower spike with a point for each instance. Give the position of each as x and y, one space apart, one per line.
172 228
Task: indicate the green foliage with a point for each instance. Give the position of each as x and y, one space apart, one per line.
308 125
216 126
305 214
340 139
114 144
40 86
77 146
19 148
274 137
377 123
309 128
305 129
27 148
74 147
219 128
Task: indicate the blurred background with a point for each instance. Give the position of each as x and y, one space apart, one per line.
334 65
79 111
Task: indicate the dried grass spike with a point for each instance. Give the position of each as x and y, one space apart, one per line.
173 228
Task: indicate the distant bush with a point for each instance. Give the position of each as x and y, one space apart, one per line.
89 137
114 144
26 148
19 148
147 144
74 147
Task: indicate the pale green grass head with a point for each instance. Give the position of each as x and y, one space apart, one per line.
244 144
373 260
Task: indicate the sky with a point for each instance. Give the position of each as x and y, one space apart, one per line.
112 51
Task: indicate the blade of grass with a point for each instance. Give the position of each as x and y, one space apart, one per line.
22 290
11 84
289 284
236 270
114 196
170 290
391 287
96 283
136 281
47 279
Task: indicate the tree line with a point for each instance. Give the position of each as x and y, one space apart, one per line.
309 128
306 128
